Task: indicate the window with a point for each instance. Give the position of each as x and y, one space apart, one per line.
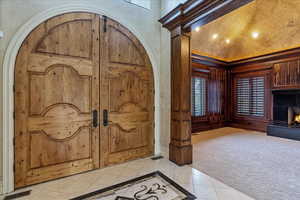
198 96
142 3
250 96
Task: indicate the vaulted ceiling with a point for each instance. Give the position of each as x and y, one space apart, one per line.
260 27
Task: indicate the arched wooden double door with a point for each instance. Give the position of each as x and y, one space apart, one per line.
72 73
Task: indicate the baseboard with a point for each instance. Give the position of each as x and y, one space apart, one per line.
1 186
205 126
256 126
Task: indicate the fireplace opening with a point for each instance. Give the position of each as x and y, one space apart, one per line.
286 114
297 118
293 115
286 108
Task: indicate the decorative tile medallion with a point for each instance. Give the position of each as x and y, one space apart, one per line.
154 186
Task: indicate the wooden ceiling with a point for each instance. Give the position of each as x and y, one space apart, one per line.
276 21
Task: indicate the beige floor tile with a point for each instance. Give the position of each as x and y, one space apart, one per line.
201 185
227 194
205 193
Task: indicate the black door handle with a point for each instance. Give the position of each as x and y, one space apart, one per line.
95 118
105 118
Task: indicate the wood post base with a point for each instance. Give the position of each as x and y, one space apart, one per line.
181 155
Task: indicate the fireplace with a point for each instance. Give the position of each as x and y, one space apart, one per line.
297 118
293 116
286 114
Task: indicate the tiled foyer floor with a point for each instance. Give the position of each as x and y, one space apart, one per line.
201 185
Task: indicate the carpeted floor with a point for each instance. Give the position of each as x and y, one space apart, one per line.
263 167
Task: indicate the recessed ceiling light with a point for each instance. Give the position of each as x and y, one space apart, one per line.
215 36
227 41
197 29
255 34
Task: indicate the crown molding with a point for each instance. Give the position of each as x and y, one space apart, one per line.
198 58
267 58
199 12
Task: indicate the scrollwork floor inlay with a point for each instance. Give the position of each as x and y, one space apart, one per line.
154 186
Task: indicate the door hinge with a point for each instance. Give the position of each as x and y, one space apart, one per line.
105 24
14 88
14 167
14 115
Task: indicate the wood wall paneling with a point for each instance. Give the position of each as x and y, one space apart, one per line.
251 122
216 97
286 74
281 69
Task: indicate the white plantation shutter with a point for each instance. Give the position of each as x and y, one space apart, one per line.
250 94
243 96
198 96
258 96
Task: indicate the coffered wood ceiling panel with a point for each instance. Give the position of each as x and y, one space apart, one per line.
276 21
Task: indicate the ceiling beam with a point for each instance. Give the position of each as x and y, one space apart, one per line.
199 12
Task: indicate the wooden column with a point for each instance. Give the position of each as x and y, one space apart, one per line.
180 148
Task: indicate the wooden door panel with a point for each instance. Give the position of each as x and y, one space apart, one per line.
127 94
41 62
129 88
122 49
122 140
126 155
57 171
61 121
47 151
64 84
57 87
66 34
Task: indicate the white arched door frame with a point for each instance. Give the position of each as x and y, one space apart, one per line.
8 80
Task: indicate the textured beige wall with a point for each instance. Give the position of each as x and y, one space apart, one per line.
14 13
2 48
277 21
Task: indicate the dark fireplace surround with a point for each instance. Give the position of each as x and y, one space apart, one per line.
286 106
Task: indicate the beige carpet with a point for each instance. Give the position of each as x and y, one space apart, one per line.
263 167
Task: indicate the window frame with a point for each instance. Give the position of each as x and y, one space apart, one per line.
266 75
204 75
